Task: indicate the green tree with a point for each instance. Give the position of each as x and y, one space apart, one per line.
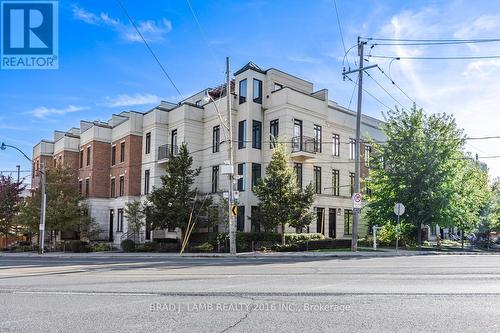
177 198
282 201
420 164
65 210
10 191
135 215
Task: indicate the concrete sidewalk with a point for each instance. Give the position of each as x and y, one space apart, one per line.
363 253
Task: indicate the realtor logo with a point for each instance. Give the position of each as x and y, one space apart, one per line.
29 32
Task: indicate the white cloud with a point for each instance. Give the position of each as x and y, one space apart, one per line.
152 31
43 112
304 59
132 100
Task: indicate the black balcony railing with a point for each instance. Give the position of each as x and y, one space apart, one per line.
165 151
304 144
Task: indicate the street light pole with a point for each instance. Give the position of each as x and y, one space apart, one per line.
43 199
232 231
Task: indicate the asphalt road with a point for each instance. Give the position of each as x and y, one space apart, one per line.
139 294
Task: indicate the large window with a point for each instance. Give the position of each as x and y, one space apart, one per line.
215 178
146 182
113 155
274 128
352 148
148 142
347 222
298 173
335 182
256 173
87 187
88 155
256 134
113 188
317 139
243 91
173 142
216 139
297 135
242 134
336 145
81 159
119 222
240 218
122 186
242 174
317 180
257 91
368 154
352 178
122 152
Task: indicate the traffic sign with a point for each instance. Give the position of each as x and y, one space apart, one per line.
234 210
356 200
399 209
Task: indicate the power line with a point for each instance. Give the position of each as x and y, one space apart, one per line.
202 31
120 3
438 40
387 92
434 58
397 86
370 94
341 33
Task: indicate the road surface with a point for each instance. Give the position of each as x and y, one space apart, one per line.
280 294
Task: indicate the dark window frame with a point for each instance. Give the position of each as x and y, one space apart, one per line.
257 98
348 216
256 134
256 173
242 173
119 220
317 179
242 134
146 181
318 138
148 143
113 155
215 178
113 187
121 189
274 129
336 145
243 92
352 148
216 139
122 152
87 187
89 152
299 170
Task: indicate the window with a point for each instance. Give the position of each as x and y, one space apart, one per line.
80 185
215 179
122 186
317 139
242 134
257 91
216 139
352 148
173 143
243 91
347 222
298 172
368 153
122 152
335 182
317 180
254 219
352 177
198 103
336 145
148 142
274 128
146 182
87 187
240 218
113 188
256 173
277 86
88 155
119 222
256 134
297 135
113 155
242 173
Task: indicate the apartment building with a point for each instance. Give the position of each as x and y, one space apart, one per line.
123 159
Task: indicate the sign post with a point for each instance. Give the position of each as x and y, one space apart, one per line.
399 209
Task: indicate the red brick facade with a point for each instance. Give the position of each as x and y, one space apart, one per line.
130 168
95 162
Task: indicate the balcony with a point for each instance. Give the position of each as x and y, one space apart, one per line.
303 147
165 151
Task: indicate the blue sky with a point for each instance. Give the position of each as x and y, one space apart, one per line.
105 68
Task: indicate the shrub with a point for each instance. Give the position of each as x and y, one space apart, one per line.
128 245
101 247
76 246
147 247
205 247
295 238
286 248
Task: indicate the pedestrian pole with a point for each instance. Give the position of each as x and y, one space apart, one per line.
374 231
232 231
397 235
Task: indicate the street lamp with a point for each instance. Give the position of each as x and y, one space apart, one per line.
44 196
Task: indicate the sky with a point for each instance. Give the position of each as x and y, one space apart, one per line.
105 67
